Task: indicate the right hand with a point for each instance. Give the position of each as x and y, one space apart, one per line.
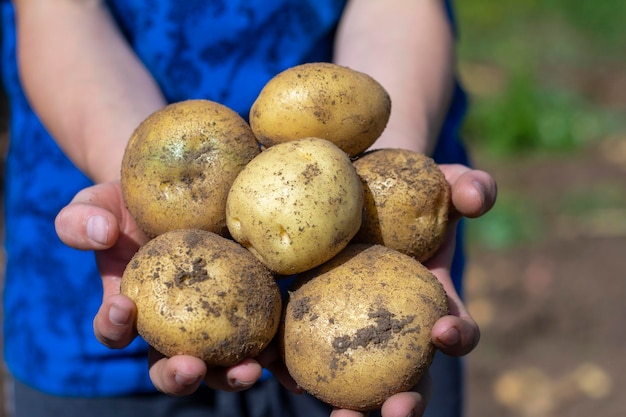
97 219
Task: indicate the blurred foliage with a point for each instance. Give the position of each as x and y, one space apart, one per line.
526 47
528 117
603 197
529 66
513 220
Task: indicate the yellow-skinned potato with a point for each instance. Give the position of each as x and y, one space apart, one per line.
407 200
296 204
357 329
200 294
324 100
180 163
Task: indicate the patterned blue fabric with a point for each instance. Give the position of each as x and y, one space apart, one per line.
220 50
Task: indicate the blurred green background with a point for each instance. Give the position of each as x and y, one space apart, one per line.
547 79
545 280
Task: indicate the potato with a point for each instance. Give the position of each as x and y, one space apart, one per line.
180 163
200 294
296 205
324 100
357 329
407 200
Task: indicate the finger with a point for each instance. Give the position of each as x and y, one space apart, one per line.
473 192
95 218
114 324
346 413
411 403
176 376
86 227
234 378
456 335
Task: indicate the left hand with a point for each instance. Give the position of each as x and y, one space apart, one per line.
473 194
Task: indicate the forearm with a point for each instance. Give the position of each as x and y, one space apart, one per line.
83 80
408 46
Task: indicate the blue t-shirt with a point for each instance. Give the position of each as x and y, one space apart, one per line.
219 50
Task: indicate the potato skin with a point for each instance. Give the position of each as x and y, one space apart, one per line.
324 100
407 200
296 204
180 163
200 294
357 329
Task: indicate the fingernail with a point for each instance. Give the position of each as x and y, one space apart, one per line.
239 384
479 187
98 229
452 337
119 316
186 380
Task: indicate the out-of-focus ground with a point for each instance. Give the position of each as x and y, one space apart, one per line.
552 312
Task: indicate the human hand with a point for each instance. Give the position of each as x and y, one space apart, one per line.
473 194
97 219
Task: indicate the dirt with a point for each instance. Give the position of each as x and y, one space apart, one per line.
406 200
378 335
551 311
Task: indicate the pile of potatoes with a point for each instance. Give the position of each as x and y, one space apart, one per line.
233 207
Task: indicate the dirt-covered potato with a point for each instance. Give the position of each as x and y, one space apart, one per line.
180 163
296 204
324 100
200 294
357 329
407 200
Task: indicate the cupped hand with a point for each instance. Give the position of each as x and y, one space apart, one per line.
182 375
473 194
97 219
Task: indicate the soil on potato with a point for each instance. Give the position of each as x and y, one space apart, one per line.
380 334
551 312
189 263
